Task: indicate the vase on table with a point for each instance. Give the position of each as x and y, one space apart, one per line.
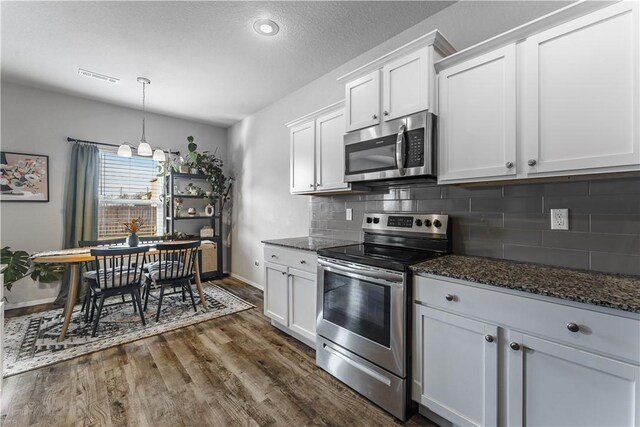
133 240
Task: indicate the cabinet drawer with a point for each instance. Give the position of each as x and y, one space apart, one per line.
600 332
302 260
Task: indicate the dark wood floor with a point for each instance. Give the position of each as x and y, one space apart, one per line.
234 370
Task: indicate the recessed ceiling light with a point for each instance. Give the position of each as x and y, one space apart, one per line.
98 76
266 27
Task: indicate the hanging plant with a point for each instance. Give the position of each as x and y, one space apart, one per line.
18 265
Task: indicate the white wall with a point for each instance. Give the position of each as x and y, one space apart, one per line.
259 145
37 121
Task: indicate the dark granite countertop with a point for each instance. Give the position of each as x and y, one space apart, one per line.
606 290
309 243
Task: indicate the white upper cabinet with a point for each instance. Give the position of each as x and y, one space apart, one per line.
407 84
330 151
557 96
362 100
317 151
302 157
581 99
478 117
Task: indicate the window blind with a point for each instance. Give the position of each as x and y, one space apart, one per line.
128 188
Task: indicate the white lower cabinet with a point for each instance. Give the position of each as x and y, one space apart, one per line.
470 340
290 291
556 385
459 366
276 291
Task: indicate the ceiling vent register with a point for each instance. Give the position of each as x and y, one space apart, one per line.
98 76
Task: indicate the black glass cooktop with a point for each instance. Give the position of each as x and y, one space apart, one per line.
389 257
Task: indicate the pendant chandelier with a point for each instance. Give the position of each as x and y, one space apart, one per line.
144 149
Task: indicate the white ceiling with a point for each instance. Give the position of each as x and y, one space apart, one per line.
204 60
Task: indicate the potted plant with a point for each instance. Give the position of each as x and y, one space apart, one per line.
210 165
133 226
18 264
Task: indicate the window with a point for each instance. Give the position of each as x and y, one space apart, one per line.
129 188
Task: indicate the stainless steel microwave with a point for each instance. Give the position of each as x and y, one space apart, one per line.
398 148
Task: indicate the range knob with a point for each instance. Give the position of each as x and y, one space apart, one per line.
427 223
437 223
369 220
376 220
418 222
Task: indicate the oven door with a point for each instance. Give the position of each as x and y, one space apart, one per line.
361 308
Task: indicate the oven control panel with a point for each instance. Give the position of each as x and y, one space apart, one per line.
423 223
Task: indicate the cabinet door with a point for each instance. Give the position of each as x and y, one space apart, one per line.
276 293
302 303
405 84
362 101
581 93
477 121
302 157
458 365
330 151
552 384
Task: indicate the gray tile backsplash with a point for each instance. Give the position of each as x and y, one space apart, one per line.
512 221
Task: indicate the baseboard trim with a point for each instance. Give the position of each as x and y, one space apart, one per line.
12 305
247 281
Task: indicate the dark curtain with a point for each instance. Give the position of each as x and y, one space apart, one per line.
81 205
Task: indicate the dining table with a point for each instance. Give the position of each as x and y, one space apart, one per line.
76 256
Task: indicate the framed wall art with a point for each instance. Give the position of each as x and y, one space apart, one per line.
24 177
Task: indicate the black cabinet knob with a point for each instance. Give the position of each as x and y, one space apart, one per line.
449 297
488 338
573 327
514 346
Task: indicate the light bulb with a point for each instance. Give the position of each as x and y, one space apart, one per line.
266 27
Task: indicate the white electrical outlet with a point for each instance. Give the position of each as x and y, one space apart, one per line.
349 214
559 219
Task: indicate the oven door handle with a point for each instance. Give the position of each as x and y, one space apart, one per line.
376 276
400 149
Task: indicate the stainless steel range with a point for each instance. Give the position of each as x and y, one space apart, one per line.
364 304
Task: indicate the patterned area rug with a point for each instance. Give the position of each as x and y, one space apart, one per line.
31 341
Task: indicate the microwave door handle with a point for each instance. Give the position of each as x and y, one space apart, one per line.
400 149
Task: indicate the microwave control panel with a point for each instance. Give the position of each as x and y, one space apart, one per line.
415 148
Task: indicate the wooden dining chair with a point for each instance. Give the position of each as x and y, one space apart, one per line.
119 272
90 265
173 268
152 240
